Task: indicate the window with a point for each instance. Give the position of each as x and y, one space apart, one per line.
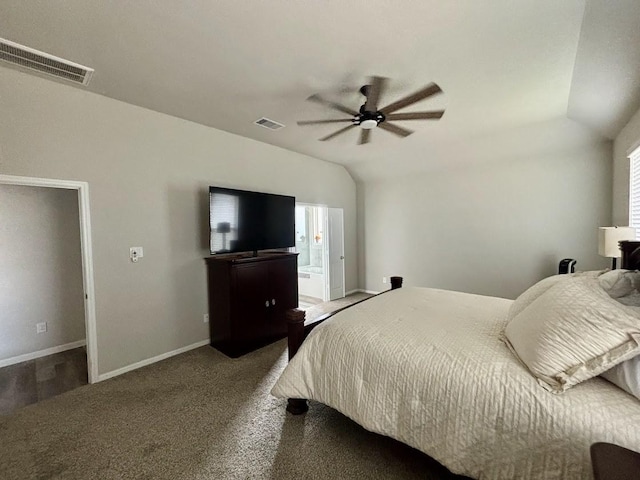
634 191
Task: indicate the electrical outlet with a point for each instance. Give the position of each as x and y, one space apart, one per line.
205 318
384 279
41 327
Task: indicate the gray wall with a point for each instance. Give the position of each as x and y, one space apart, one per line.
627 140
41 279
494 228
148 175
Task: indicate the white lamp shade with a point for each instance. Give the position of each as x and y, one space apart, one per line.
608 238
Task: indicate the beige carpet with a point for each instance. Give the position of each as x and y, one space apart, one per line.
199 415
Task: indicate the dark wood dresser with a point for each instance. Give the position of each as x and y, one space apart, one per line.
248 298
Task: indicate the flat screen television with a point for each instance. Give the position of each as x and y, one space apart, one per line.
244 221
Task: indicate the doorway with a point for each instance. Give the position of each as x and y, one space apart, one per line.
85 283
320 245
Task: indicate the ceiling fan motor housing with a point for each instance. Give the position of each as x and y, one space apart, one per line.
365 119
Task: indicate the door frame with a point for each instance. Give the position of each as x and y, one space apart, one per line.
328 227
325 245
87 257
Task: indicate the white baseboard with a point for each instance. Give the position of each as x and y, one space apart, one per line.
42 353
149 361
361 290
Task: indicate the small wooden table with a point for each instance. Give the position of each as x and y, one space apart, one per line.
612 462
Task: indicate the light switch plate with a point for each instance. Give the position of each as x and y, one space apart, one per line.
135 253
41 327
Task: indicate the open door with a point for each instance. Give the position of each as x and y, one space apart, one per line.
336 252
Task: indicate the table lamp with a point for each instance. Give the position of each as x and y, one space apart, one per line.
608 238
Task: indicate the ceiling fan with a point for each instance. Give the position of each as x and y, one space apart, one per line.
370 116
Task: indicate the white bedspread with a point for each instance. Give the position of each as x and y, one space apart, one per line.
427 367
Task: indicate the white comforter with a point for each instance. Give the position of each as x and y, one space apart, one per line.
427 367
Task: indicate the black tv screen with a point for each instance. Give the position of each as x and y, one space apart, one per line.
244 221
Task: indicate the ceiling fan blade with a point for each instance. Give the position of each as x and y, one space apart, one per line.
390 127
416 115
365 135
421 94
335 106
335 134
318 122
374 92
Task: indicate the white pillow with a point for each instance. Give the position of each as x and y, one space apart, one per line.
572 332
533 292
626 376
623 286
619 283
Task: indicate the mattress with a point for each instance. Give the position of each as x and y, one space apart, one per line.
427 367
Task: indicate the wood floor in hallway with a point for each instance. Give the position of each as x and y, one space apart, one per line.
35 380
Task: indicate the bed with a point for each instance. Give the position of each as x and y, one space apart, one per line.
430 368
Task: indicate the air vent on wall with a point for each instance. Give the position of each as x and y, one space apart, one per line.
26 57
270 124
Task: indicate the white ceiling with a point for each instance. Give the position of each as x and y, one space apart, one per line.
503 65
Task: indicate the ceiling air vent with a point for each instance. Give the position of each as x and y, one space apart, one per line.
26 57
270 124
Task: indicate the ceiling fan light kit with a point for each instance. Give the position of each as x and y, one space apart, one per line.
368 124
370 116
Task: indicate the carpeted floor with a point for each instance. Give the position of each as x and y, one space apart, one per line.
199 415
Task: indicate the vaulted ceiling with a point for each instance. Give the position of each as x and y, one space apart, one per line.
505 66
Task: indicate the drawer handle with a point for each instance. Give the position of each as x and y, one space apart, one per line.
273 301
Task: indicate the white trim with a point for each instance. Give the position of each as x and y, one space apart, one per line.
88 281
149 361
331 214
40 182
41 353
634 149
361 290
87 257
326 254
